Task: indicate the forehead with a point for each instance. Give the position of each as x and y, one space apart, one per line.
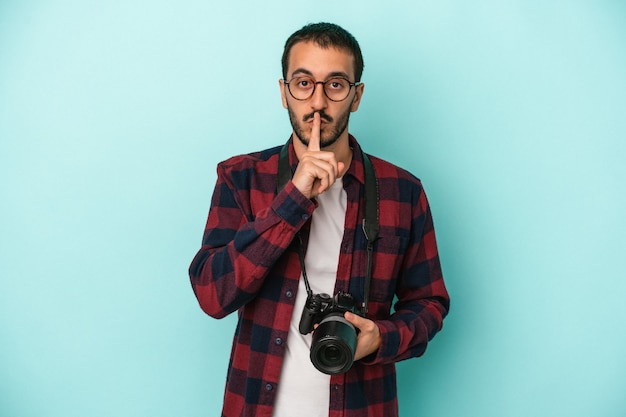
320 62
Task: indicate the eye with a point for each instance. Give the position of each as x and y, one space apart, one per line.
337 84
303 83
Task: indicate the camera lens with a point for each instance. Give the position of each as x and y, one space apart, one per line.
332 354
334 344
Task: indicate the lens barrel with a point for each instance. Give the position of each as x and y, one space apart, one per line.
334 344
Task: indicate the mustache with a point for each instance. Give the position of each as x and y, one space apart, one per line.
323 115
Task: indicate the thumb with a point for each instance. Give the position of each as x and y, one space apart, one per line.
340 167
354 319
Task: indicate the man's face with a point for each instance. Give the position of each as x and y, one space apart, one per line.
309 59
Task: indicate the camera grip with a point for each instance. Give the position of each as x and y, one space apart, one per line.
307 320
311 311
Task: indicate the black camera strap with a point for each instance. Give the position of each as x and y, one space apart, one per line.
370 220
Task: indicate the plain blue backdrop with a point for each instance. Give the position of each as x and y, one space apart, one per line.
113 116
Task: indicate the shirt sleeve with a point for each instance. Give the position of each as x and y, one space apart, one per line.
422 298
240 245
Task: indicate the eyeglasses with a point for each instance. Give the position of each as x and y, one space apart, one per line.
336 89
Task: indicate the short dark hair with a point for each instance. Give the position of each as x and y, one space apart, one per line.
326 35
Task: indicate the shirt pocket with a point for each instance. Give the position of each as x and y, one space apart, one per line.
388 259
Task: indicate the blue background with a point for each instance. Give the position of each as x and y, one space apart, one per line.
113 116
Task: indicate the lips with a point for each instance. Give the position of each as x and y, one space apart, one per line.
322 122
324 118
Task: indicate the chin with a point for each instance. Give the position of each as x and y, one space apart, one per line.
328 142
324 142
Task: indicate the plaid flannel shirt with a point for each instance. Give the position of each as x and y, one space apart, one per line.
247 263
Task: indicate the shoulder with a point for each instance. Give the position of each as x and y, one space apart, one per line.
402 199
251 160
389 173
250 165
252 171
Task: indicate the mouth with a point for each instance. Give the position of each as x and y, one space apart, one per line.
324 118
322 122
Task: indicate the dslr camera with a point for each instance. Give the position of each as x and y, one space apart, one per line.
334 339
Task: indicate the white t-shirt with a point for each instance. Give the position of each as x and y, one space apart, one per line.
303 391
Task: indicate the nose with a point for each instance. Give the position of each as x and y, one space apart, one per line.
318 99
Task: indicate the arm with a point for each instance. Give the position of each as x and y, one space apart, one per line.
240 247
422 299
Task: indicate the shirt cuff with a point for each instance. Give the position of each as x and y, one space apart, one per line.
292 206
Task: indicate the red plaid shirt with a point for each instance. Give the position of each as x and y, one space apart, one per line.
247 263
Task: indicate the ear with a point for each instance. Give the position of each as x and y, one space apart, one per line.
357 97
281 83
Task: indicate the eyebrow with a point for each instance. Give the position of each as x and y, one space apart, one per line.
309 73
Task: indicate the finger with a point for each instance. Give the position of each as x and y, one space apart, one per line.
324 185
322 170
353 318
315 173
325 160
326 176
359 322
314 141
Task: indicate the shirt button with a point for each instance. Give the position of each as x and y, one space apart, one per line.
278 341
305 217
268 387
289 293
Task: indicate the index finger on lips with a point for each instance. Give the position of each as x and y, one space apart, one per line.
314 141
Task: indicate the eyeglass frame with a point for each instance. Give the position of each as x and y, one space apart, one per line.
315 83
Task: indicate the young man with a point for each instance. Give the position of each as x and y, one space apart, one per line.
263 238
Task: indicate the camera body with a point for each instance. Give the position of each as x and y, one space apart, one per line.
320 305
334 339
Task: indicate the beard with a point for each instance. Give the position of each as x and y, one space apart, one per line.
328 136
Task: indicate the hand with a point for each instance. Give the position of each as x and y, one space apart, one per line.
317 170
368 340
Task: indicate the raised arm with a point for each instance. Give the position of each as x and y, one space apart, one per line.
247 230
